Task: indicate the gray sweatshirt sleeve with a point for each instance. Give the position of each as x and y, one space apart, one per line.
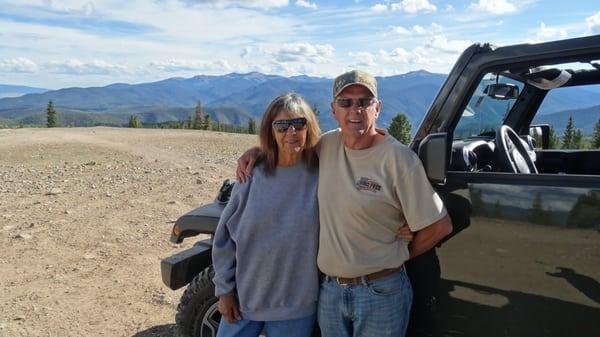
224 248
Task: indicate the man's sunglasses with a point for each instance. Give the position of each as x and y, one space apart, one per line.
349 102
283 125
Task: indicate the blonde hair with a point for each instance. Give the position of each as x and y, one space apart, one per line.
297 106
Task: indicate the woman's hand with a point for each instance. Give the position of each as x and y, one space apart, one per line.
245 164
229 308
404 233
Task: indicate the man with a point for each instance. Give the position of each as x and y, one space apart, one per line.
367 182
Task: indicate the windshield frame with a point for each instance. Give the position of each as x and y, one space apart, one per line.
479 104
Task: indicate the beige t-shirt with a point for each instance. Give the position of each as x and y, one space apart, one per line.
364 197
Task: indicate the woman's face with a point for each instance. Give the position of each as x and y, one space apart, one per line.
293 139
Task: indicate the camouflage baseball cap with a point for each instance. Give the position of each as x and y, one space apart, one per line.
354 77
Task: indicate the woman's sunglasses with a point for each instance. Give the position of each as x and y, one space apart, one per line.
283 125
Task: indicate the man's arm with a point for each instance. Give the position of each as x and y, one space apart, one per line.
245 164
428 237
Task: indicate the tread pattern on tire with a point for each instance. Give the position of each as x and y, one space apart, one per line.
197 298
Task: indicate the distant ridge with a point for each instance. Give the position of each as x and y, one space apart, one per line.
8 90
231 98
236 97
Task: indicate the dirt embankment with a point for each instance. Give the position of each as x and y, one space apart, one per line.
85 217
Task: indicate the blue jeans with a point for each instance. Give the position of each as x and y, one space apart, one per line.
378 308
301 327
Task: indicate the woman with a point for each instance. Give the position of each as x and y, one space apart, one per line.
265 246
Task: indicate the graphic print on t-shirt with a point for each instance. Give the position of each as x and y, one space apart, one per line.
368 184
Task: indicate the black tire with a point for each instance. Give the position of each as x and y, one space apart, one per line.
197 314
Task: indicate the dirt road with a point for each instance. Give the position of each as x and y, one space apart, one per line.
85 216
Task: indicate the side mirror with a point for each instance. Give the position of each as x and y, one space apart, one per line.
541 135
502 91
433 152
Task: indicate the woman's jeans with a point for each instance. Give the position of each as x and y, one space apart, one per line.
378 308
301 327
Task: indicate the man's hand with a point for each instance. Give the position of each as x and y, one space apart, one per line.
229 308
404 233
245 164
428 237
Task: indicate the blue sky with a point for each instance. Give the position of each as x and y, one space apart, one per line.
65 43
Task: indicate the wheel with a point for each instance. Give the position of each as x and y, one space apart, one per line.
197 312
512 152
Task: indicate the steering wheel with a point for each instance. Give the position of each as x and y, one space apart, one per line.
513 155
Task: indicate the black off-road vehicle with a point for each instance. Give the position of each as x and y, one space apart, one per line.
527 259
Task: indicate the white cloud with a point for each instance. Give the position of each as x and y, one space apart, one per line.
379 8
77 67
417 30
177 65
303 52
306 4
65 7
246 3
593 23
545 33
397 55
414 6
438 53
18 65
493 6
433 28
246 52
442 44
399 30
88 8
364 59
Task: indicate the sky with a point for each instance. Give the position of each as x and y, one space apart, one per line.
65 43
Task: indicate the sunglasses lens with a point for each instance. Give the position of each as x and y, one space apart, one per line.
348 102
283 125
364 102
298 123
344 102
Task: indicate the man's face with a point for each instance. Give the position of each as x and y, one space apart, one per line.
356 120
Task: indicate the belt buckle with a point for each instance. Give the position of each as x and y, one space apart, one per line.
342 283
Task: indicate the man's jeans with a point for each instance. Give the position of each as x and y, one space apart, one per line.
301 327
378 308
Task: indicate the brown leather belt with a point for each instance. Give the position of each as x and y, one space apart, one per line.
344 281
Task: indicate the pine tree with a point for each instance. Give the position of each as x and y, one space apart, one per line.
596 136
497 210
400 128
317 113
578 139
536 210
134 122
567 142
251 126
51 115
476 201
553 141
199 118
207 123
537 139
190 123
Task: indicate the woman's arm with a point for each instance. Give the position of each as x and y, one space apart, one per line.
224 252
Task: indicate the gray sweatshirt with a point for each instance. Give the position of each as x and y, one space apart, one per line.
265 246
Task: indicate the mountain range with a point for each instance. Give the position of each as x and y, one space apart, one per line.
7 90
234 98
